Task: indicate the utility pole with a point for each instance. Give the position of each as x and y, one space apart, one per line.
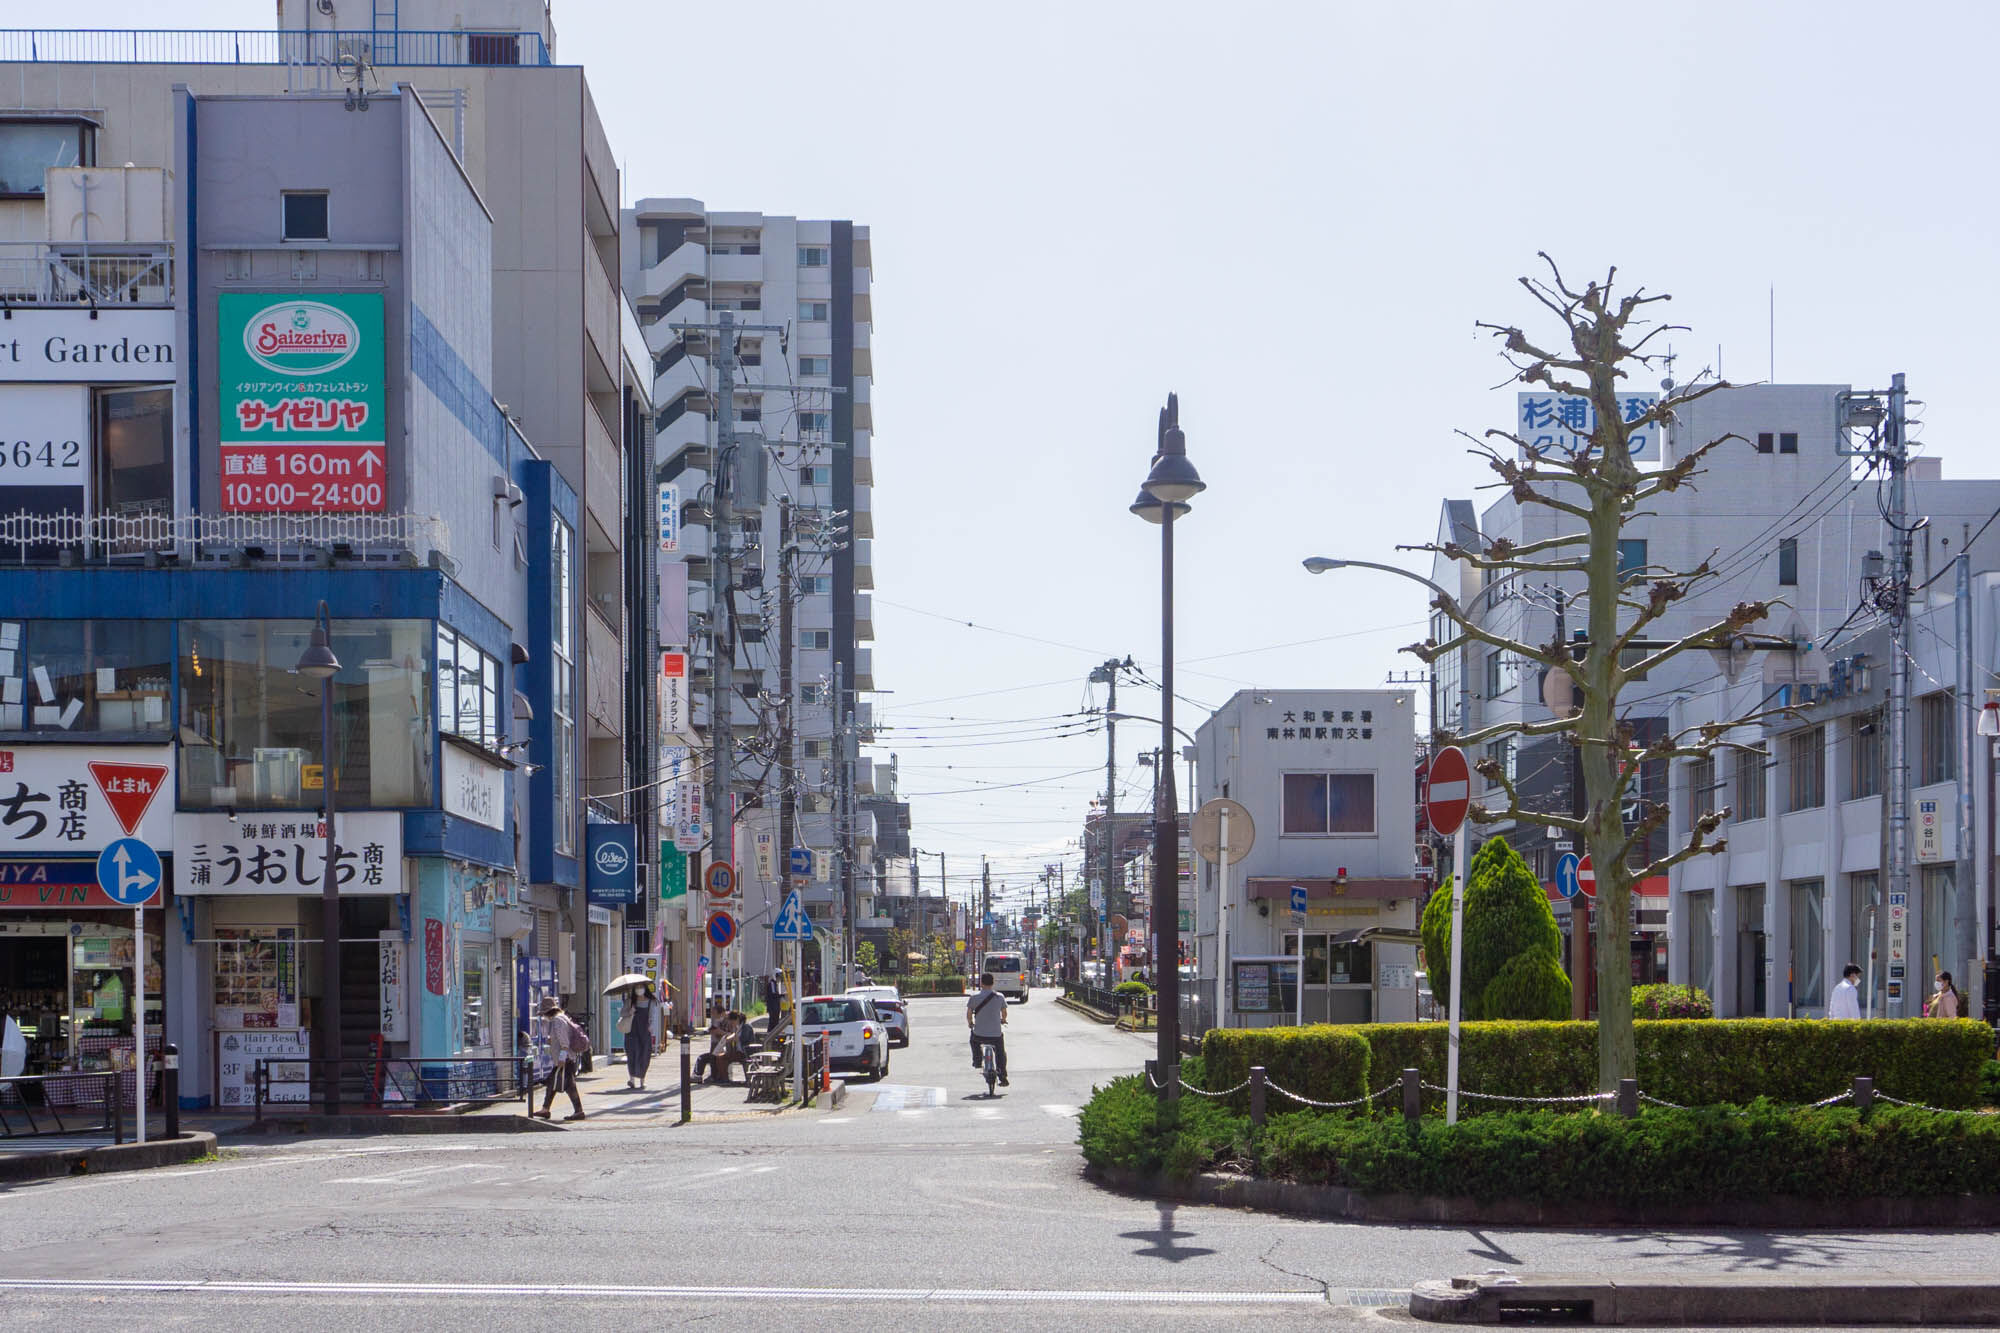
1898 883
788 804
985 903
1107 674
1964 909
844 807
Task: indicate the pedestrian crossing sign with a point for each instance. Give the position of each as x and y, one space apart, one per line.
793 926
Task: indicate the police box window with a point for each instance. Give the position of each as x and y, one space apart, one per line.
305 215
29 148
1329 803
78 678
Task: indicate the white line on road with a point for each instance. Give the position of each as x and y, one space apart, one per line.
283 1157
862 1294
1061 1110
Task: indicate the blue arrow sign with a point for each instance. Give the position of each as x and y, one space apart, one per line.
129 872
1566 866
801 859
1298 902
793 926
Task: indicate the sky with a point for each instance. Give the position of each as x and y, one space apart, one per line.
1292 216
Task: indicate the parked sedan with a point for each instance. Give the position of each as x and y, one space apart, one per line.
891 1009
857 1038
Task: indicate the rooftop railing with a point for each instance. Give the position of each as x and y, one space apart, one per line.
266 46
69 538
48 273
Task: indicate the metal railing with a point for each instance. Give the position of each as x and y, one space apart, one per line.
33 1105
29 538
270 46
69 274
390 1085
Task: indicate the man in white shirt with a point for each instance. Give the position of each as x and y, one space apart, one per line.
1845 1001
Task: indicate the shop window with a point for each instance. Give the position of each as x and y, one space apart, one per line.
1809 943
475 993
468 682
74 678
250 725
1329 803
28 148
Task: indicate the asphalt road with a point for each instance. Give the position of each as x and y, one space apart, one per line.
919 1202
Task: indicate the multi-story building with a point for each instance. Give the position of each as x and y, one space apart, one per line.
1781 515
799 525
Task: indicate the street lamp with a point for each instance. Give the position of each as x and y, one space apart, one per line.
1162 499
319 662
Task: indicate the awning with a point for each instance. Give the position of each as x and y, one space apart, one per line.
1328 890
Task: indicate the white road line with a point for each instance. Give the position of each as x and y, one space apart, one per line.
1058 1110
414 1174
900 1295
130 1179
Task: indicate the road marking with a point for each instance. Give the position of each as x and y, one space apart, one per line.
1059 1110
901 1097
838 1120
280 1157
411 1176
900 1295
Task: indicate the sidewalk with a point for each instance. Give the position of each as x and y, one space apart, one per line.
607 1101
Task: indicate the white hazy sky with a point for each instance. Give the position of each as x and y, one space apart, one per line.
1291 214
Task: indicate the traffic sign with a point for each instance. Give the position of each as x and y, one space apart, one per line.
720 879
793 926
801 860
129 872
1449 790
1206 830
1298 904
128 789
1586 879
1566 877
721 929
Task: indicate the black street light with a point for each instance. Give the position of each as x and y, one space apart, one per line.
319 662
1162 499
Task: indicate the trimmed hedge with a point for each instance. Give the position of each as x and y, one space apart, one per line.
910 985
1132 988
1661 1157
1692 1062
1665 1001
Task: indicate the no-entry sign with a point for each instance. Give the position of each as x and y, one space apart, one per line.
1586 879
1448 792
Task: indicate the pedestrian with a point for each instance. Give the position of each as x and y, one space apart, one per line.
719 1033
566 1042
1845 1002
637 1025
1945 1001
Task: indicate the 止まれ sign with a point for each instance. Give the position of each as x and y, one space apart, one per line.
285 853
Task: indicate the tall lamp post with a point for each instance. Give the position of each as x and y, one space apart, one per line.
1163 498
319 662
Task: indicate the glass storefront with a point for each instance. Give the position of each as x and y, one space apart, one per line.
68 982
85 677
250 725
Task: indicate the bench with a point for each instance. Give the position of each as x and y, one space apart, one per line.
767 1077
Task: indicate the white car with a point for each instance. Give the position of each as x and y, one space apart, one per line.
857 1038
1010 974
889 1007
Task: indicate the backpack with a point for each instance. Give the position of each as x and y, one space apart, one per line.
579 1040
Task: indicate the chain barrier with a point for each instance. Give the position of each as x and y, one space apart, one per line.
1525 1101
1204 1092
1898 1101
1331 1106
1833 1100
1657 1101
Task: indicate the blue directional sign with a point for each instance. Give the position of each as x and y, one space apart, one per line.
1299 904
801 859
793 926
129 872
1566 883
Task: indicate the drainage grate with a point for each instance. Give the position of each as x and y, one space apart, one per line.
1393 1297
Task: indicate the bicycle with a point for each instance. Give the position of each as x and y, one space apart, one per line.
989 1063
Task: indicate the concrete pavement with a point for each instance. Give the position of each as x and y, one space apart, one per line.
918 1201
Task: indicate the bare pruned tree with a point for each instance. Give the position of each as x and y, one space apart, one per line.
1590 479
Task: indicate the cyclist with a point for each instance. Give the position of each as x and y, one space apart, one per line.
986 1016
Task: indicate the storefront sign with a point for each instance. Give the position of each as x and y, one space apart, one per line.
44 435
1558 426
256 977
100 346
1928 831
51 882
389 964
285 853
1323 724
50 800
302 426
676 714
473 788
611 864
670 517
767 843
236 1066
673 872
434 955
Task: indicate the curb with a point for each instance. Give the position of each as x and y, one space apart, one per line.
401 1124
1337 1202
111 1157
1802 1298
1084 1009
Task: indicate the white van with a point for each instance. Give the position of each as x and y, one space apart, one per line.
1010 974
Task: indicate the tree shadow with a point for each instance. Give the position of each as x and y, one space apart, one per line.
1765 1251
1489 1249
1161 1240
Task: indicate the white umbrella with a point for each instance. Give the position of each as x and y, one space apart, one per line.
634 980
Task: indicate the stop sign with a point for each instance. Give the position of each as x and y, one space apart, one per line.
1448 790
1586 879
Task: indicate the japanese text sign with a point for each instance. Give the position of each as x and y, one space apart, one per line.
1559 425
285 853
52 800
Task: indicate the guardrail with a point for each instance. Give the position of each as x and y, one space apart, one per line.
32 1105
29 538
109 274
271 46
384 1085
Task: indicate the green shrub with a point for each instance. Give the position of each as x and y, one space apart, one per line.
1528 985
1663 1001
923 984
1324 1062
1508 927
1989 1083
1120 1127
1134 987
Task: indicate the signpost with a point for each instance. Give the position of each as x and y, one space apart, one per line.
1447 796
1586 878
1567 881
1223 833
794 927
129 873
721 929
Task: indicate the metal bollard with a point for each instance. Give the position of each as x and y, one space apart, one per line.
687 1076
170 1088
1864 1094
1628 1098
1413 1096
116 1094
1257 1095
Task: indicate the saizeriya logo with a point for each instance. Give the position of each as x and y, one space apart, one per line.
301 338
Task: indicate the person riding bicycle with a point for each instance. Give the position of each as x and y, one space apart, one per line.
986 1016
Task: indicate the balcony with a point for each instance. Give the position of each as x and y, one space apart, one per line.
864 458
864 669
269 46
36 273
864 511
864 616
661 333
735 268
864 564
604 675
864 720
601 308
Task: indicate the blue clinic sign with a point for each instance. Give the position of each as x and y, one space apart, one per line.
611 864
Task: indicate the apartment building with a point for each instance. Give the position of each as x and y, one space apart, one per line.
800 526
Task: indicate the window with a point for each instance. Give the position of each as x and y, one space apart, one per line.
816 640
816 366
250 725
1869 930
1701 940
474 965
815 584
492 48
1935 719
1631 559
1864 755
1493 685
815 312
468 691
305 215
817 474
813 695
135 467
30 147
77 678
815 423
1329 803
563 643
1502 753
1940 900
1809 943
1805 765
1788 562
815 256
1788 441
1701 787
1765 441
813 749
1749 783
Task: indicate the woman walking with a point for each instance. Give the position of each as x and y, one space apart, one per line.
638 1024
565 1041
1945 1001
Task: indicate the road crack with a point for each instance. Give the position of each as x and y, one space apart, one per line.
1325 1287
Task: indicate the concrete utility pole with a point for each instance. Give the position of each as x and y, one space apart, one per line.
1966 967
844 812
788 802
985 904
1107 674
1898 882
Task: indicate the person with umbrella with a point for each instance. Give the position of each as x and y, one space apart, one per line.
641 1004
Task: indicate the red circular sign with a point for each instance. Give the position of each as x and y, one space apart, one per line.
1586 879
720 878
1448 790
